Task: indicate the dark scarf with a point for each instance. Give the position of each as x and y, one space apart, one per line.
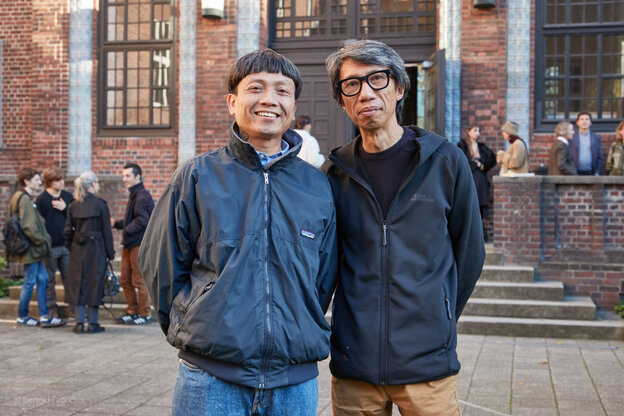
513 138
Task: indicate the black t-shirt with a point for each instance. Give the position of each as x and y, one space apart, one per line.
55 219
384 171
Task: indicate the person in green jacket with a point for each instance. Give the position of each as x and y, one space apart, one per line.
615 160
33 226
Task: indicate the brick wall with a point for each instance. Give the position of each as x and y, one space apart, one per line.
16 31
483 56
570 228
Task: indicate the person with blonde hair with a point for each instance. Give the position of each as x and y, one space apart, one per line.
615 160
89 238
560 159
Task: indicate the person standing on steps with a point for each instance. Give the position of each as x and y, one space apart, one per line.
52 203
134 223
33 226
89 238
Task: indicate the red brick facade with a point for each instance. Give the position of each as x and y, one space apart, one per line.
570 228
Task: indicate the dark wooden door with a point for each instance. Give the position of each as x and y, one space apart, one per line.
330 124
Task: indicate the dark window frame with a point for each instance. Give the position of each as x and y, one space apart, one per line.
150 46
353 17
544 30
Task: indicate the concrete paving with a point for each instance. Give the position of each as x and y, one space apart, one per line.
131 371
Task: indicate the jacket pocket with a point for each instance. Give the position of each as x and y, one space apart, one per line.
449 316
182 304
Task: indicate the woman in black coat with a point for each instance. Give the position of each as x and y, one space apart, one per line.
89 238
481 159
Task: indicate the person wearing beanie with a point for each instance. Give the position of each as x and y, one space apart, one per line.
515 159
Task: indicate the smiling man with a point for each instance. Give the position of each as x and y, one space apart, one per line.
240 258
411 245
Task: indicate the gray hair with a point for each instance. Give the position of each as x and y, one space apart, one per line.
562 129
82 184
369 52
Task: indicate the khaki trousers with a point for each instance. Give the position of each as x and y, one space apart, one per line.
358 398
134 288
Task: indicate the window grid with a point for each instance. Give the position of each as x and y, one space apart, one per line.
324 18
581 65
137 65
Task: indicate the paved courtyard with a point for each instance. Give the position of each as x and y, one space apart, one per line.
131 371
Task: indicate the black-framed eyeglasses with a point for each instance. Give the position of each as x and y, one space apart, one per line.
377 80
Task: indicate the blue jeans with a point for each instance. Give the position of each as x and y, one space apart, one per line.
34 273
199 393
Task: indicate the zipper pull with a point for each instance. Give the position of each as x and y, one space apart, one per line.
385 236
266 178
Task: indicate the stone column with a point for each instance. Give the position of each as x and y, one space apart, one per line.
517 105
449 30
80 91
247 27
187 83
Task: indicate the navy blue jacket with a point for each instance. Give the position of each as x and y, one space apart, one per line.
240 262
138 211
595 144
404 279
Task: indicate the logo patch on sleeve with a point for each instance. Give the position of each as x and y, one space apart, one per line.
308 234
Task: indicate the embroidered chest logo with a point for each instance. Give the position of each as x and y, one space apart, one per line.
418 196
308 234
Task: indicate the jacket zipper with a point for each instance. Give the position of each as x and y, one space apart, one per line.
267 285
385 264
385 289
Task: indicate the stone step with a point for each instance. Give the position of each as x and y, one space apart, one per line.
550 328
9 307
578 307
514 290
15 292
493 258
497 273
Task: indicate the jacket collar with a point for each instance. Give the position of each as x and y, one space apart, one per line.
136 187
426 144
246 154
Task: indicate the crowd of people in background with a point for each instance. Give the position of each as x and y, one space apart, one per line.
73 234
573 152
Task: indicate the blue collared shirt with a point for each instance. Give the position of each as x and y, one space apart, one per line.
585 154
264 159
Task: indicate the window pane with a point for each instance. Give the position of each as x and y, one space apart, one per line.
613 11
555 11
310 7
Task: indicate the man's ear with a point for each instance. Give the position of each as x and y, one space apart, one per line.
231 102
400 91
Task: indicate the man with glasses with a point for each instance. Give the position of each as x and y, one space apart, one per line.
410 243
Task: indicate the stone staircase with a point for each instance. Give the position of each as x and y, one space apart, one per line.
509 301
112 309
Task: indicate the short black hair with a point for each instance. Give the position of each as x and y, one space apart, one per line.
266 60
136 169
302 121
584 113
